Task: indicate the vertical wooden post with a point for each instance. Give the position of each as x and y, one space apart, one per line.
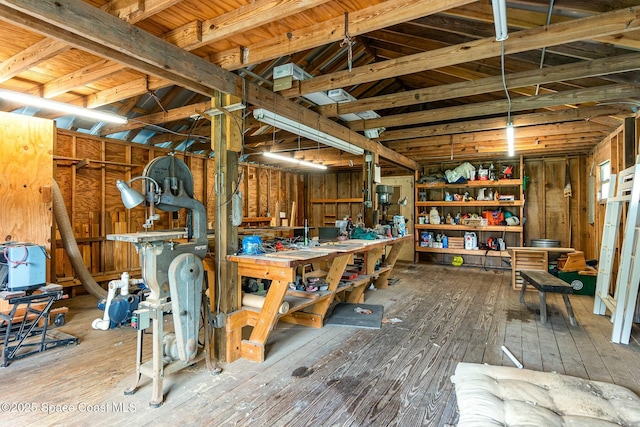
226 137
369 211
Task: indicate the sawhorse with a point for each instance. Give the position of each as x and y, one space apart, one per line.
29 317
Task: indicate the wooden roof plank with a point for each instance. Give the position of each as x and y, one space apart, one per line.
597 67
532 119
577 96
617 22
368 19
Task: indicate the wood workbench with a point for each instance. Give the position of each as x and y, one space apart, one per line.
307 310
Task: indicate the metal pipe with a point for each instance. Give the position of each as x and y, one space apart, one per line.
512 357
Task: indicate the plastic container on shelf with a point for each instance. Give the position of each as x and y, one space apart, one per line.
434 216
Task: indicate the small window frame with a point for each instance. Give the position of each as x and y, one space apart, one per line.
604 180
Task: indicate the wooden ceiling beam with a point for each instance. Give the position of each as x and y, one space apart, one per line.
563 130
30 57
617 22
546 75
158 118
547 146
48 48
526 19
360 22
547 117
131 11
137 10
523 103
563 77
252 15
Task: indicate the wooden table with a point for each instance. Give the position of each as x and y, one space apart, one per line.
307 310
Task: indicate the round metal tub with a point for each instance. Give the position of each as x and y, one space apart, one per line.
547 243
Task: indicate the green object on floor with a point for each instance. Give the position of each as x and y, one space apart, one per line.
581 284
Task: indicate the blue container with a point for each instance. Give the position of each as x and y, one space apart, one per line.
252 245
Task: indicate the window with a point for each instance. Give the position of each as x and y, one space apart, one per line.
605 180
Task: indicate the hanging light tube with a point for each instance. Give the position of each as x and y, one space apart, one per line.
500 19
48 104
284 123
510 139
229 108
293 160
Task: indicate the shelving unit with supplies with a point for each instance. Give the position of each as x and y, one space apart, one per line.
433 194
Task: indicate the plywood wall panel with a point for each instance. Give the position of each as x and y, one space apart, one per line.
252 176
556 212
273 191
88 193
197 170
139 157
263 196
64 143
26 150
534 227
95 203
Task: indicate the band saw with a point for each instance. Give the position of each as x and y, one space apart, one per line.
172 269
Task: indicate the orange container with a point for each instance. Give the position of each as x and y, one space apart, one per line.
493 217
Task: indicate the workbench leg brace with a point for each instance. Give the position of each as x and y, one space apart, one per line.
16 329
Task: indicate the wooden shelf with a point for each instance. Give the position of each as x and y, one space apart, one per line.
484 203
507 228
478 252
381 270
297 303
433 195
498 183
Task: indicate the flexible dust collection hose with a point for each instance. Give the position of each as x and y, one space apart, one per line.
71 246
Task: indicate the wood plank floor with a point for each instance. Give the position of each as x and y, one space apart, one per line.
397 375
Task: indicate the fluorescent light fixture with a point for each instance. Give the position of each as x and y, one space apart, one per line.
229 108
332 96
290 69
284 123
48 104
293 160
500 19
340 95
510 139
